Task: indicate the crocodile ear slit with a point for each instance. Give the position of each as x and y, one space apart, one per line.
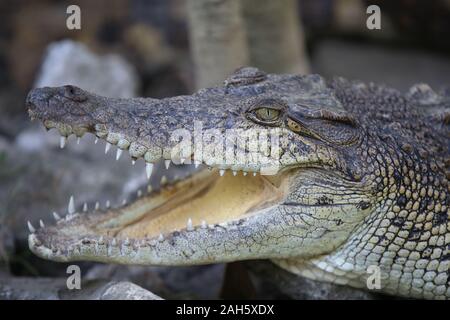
343 118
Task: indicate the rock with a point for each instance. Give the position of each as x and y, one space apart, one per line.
124 291
69 62
26 288
196 282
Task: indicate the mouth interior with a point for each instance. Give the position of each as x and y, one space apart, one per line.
204 198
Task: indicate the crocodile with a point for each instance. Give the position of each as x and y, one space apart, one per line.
331 179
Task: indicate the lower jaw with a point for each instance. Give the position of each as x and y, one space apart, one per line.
205 201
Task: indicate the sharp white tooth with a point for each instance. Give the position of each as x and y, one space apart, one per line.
189 225
108 204
114 242
100 240
234 173
149 189
245 173
41 224
126 242
204 225
78 140
161 237
97 205
221 172
149 169
124 202
85 207
133 162
30 227
56 216
163 180
62 142
196 164
182 160
71 207
254 174
167 164
96 140
139 193
118 154
107 147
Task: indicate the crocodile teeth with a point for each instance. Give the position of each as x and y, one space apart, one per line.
189 225
41 224
133 162
234 173
107 147
204 225
196 164
149 189
114 242
161 237
167 164
62 142
221 172
126 242
71 207
100 240
97 205
85 207
107 204
254 174
78 140
30 227
149 169
56 216
124 202
244 173
139 193
163 180
96 140
182 160
118 154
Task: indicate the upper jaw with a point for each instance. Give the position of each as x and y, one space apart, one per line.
147 130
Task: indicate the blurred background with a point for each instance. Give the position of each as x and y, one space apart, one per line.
160 48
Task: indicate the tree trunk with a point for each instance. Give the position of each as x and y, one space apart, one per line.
218 40
275 36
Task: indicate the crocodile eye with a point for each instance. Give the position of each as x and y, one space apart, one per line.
267 114
266 111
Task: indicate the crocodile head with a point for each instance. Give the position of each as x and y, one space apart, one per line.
292 168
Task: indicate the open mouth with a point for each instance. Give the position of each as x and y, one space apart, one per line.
209 200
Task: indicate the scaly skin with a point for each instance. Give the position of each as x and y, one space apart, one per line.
361 180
